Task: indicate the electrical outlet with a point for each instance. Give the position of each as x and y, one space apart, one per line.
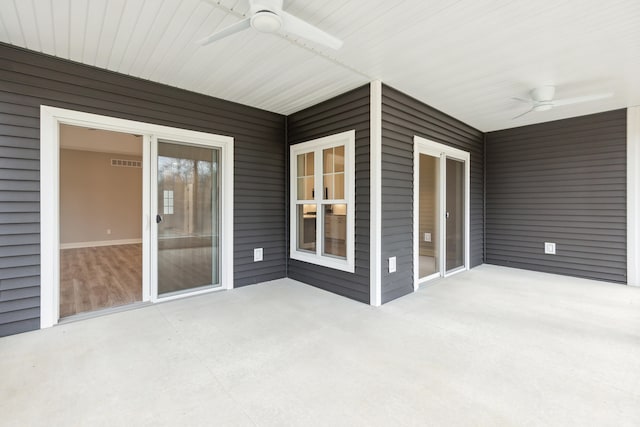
108 231
549 248
257 254
427 237
392 264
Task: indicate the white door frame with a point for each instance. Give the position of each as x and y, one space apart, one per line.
442 152
50 120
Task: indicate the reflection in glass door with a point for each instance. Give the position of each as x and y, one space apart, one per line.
428 215
188 218
454 216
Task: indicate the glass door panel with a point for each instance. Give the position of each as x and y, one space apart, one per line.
188 217
454 214
428 216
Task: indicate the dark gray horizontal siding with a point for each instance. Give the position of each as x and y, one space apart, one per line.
403 118
345 112
28 80
562 182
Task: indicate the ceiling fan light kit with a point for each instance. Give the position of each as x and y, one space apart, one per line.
266 21
267 16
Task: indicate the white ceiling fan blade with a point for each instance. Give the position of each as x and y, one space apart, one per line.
579 99
526 101
294 25
520 115
232 29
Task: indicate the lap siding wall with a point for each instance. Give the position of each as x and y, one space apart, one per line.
28 80
403 118
562 182
342 113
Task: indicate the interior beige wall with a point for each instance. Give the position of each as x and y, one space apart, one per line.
95 196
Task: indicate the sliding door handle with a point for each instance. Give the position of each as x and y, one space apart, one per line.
158 219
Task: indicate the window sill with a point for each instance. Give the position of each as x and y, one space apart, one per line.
336 264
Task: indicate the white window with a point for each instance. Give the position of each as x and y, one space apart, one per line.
323 201
168 202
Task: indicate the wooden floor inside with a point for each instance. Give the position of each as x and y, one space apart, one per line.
99 277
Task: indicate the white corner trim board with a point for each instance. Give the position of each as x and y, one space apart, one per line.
50 120
375 224
633 196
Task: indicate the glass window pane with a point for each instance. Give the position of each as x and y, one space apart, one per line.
307 228
338 185
335 231
327 185
305 188
305 164
301 165
310 167
339 159
327 160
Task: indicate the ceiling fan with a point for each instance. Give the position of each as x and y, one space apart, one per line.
541 99
267 16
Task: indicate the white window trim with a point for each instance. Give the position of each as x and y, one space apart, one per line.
348 140
50 120
442 152
633 198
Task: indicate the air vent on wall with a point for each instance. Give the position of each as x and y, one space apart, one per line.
126 163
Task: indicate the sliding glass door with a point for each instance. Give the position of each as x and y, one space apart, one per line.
441 211
187 218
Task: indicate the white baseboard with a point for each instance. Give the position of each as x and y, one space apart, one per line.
77 245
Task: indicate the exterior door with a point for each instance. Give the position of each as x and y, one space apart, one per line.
187 218
187 208
441 211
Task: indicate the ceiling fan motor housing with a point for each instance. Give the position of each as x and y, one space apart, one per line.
273 6
543 93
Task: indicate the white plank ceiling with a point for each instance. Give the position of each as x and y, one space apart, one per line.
467 58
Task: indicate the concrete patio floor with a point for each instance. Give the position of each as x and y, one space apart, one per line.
492 346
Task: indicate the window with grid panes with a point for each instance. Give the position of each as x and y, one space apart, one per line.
322 201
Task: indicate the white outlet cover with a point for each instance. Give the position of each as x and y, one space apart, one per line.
427 237
549 248
392 264
257 254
